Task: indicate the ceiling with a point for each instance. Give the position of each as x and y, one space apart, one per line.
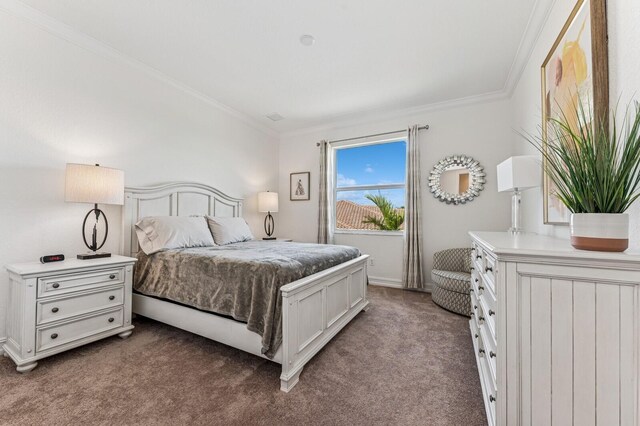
369 56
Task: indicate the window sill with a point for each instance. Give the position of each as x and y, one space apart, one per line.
377 233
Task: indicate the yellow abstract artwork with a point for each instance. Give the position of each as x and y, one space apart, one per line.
566 80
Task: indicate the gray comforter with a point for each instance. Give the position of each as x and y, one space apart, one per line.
240 280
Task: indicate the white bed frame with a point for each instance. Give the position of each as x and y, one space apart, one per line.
314 308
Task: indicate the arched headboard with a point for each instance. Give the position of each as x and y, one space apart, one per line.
172 199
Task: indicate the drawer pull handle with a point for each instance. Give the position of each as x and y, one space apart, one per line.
55 285
111 319
488 268
492 398
492 354
480 319
476 335
480 288
477 280
475 306
472 268
54 310
54 336
491 312
478 257
112 276
481 352
112 297
472 314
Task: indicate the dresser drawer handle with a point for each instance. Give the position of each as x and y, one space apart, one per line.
472 268
112 297
112 276
111 319
478 257
475 306
491 312
54 336
480 319
492 354
492 398
481 352
476 335
476 280
488 268
55 285
54 310
480 288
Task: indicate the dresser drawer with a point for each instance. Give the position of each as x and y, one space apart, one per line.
76 304
488 388
476 259
62 284
489 345
58 335
490 272
488 303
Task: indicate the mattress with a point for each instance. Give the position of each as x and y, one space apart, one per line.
240 280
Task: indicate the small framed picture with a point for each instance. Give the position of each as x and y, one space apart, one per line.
299 186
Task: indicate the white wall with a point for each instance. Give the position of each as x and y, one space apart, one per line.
60 103
481 131
624 83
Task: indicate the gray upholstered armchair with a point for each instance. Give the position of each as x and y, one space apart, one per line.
451 277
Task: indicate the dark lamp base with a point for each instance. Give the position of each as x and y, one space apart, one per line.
87 256
269 238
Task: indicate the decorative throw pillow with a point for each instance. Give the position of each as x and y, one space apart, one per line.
158 233
227 230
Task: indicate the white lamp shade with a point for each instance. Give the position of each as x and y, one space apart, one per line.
85 183
521 172
267 202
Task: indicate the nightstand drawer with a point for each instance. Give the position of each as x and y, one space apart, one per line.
62 284
77 304
58 335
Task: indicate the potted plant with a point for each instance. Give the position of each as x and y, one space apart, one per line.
596 170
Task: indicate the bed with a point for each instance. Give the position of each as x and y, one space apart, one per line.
314 308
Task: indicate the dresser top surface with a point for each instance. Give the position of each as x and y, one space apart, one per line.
504 243
36 268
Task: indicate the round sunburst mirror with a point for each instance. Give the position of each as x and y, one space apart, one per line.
457 179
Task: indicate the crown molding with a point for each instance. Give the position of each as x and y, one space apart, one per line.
73 36
537 20
384 115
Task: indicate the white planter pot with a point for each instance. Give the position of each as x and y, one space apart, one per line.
600 231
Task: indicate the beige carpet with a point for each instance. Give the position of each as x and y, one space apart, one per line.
404 362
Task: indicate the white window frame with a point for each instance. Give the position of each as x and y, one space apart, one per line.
346 145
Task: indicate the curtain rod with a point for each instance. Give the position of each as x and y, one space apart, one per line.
425 127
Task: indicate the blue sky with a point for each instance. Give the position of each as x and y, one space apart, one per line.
371 164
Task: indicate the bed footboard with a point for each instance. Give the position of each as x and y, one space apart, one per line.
316 308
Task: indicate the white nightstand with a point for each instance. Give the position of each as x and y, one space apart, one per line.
57 306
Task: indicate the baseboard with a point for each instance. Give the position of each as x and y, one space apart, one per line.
394 283
385 282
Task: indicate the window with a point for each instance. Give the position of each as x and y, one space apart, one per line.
370 187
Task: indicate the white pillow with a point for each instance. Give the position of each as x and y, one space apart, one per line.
227 230
158 233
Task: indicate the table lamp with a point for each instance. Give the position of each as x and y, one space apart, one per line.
517 174
268 203
85 183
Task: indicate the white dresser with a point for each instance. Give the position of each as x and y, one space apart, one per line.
57 306
555 331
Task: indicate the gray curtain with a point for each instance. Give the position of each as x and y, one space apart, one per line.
323 195
412 274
